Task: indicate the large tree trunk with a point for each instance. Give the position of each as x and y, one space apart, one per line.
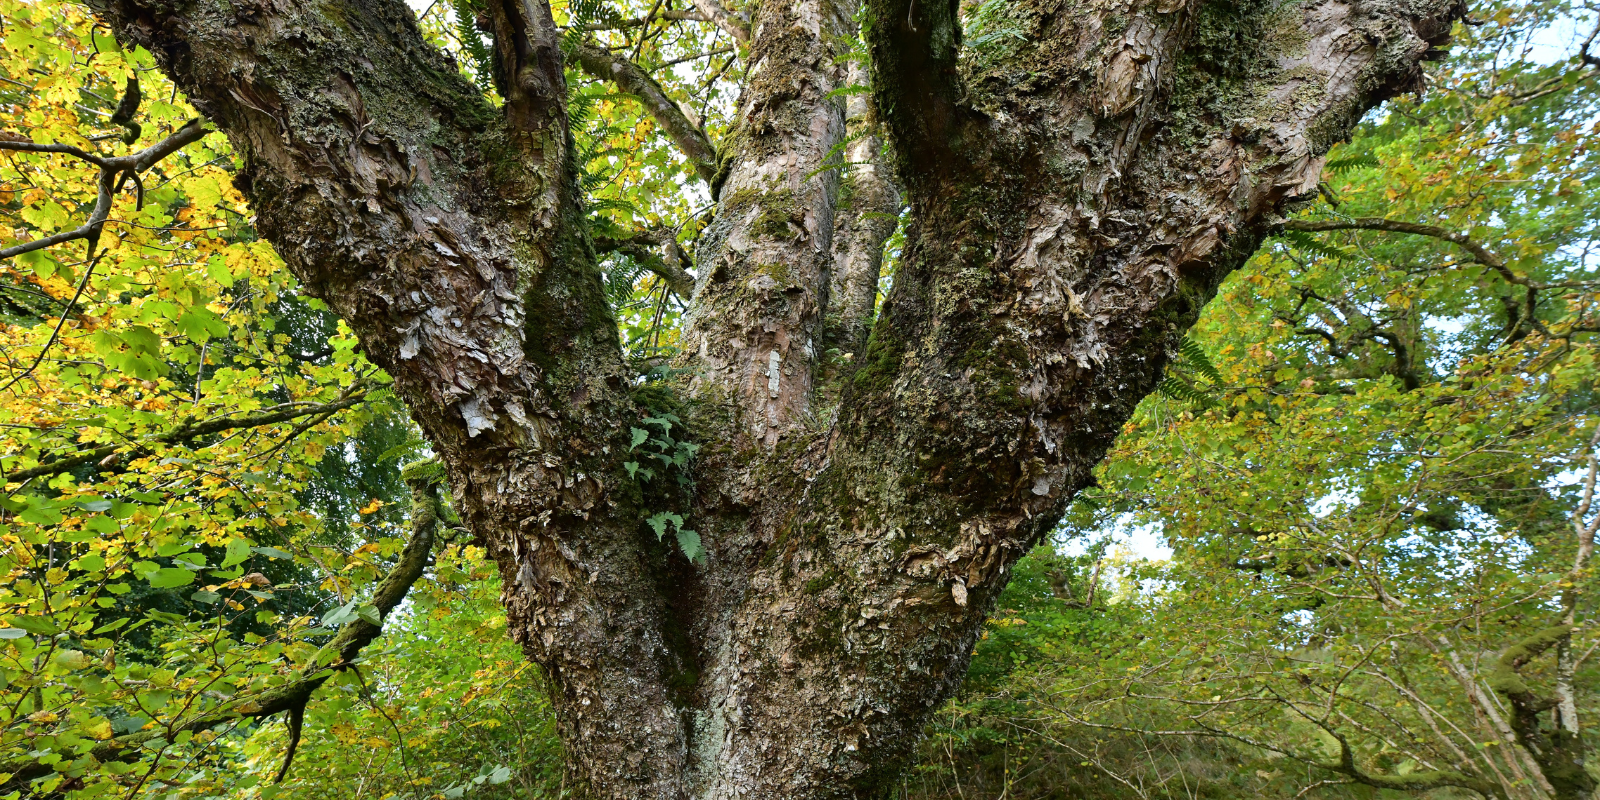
1073 202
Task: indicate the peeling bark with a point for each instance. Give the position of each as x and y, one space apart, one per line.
1072 205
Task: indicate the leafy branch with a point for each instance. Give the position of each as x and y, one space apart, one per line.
108 457
115 172
361 629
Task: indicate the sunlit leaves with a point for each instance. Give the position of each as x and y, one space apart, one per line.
170 575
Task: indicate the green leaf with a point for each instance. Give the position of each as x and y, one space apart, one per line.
141 339
39 626
200 325
343 614
112 626
171 577
238 550
273 552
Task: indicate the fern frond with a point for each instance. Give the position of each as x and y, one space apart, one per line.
1194 356
1174 389
609 204
1311 244
1340 166
466 13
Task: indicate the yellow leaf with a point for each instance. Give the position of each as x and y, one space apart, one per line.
100 728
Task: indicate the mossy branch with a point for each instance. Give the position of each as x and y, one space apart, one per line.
632 80
643 246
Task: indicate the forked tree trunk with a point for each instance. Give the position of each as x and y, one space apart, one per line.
1074 198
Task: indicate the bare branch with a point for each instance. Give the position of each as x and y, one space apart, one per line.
1583 52
639 22
32 147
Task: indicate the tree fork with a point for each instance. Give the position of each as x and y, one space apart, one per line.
1073 203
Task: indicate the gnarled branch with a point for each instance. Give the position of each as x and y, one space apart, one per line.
112 169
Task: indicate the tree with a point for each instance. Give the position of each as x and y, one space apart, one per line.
1374 462
1077 182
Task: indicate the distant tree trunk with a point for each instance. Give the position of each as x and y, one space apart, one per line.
1074 199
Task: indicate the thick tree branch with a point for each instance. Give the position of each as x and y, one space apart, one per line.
915 46
630 79
527 68
1559 752
868 214
736 25
753 336
427 516
1420 781
1583 52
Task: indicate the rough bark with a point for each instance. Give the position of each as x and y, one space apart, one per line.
869 211
753 332
735 25
1073 202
